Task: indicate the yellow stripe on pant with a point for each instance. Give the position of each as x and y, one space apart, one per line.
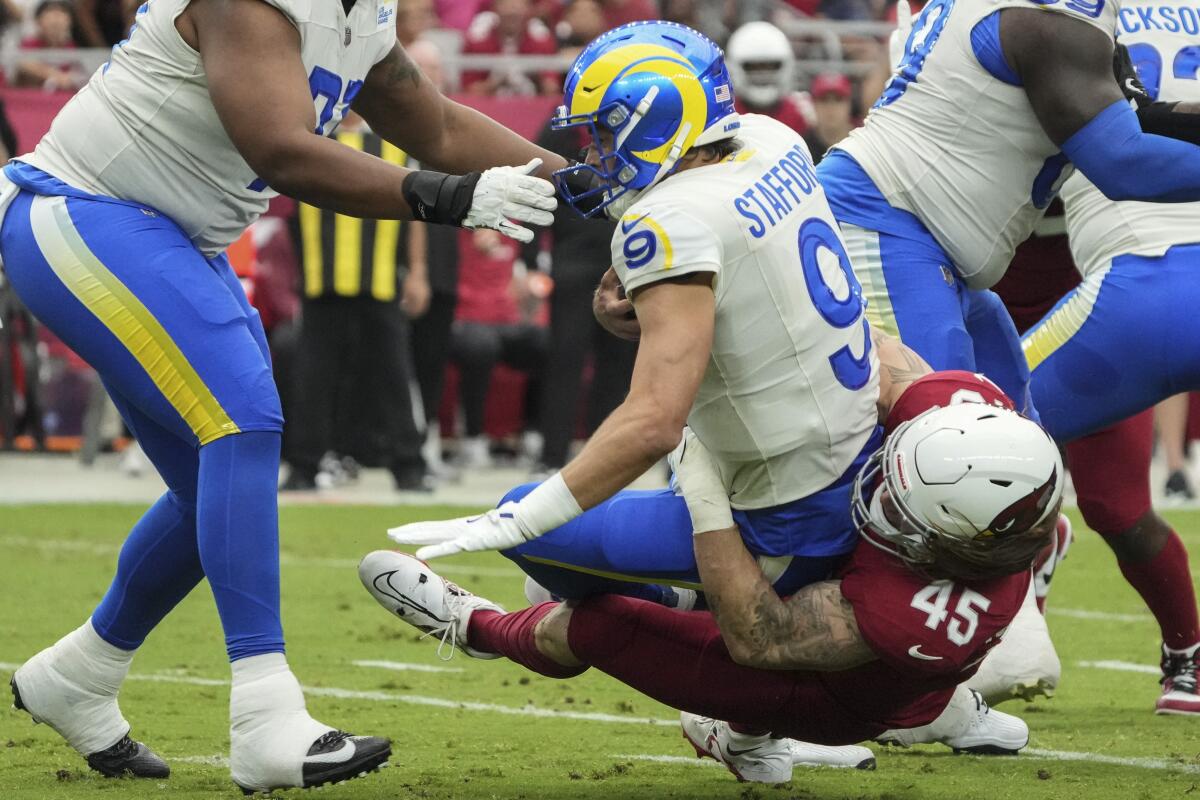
865 258
103 294
1064 322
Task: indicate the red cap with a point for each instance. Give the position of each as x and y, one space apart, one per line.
830 83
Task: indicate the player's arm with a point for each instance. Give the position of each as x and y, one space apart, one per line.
814 629
1065 65
677 318
258 85
899 368
405 108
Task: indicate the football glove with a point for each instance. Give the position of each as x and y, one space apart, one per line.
899 37
497 529
1127 78
505 194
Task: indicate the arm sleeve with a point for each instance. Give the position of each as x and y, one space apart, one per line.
655 243
1127 163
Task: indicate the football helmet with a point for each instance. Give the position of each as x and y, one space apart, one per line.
761 63
656 89
971 485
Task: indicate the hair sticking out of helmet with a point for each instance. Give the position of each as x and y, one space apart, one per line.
966 492
646 92
762 64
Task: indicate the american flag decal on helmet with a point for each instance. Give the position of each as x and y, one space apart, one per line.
722 94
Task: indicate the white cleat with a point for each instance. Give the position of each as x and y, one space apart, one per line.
968 725
1024 664
758 759
72 687
408 588
807 754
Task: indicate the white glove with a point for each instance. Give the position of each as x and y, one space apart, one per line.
899 37
699 481
504 194
497 529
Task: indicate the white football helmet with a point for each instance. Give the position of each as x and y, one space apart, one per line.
967 484
762 64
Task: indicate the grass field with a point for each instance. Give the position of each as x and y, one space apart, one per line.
475 729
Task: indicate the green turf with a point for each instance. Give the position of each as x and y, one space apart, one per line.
57 561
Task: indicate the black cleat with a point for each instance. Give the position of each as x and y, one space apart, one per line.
128 757
17 704
338 756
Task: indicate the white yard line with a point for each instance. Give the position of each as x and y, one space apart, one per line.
399 666
1096 758
1107 616
1122 666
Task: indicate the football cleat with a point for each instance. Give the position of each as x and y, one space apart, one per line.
754 758
967 725
1049 559
807 754
1023 664
335 757
408 588
1180 694
72 687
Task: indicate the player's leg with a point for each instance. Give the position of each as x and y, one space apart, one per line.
913 294
126 290
997 348
1111 469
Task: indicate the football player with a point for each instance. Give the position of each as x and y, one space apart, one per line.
762 67
752 331
952 511
1117 344
113 237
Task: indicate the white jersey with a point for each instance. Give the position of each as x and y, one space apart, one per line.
960 148
144 128
789 398
1166 55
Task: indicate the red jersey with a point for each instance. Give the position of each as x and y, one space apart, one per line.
794 110
484 37
929 636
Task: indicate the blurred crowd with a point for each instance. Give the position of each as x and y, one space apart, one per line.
424 350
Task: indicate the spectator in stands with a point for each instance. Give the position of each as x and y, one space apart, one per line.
353 345
497 321
457 14
510 28
103 23
579 255
413 18
582 21
53 20
619 12
762 66
831 98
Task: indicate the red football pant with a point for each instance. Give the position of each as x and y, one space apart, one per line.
1111 469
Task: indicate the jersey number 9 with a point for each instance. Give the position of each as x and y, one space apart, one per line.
846 312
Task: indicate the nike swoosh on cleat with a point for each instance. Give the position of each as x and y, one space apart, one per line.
342 754
915 652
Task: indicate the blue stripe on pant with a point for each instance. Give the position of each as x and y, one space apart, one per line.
1124 339
637 541
184 358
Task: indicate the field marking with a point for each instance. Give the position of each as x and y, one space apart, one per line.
691 761
1120 761
1108 616
1122 666
285 559
399 666
206 761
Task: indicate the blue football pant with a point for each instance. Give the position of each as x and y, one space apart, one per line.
1120 342
184 358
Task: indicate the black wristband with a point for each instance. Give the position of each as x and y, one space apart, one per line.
1162 119
438 197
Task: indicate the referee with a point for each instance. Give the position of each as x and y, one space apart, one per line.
354 390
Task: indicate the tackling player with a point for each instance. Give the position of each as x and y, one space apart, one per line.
1118 343
952 511
751 331
113 237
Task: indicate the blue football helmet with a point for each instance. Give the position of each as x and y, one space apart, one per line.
659 88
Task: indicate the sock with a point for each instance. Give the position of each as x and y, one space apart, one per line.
511 635
158 566
1165 583
237 523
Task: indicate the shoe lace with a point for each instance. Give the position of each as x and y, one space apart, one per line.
1179 670
328 741
448 636
123 749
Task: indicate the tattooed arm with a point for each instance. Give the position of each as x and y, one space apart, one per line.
405 108
899 366
813 629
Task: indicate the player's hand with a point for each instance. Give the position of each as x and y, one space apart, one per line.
505 196
699 481
613 310
494 530
899 37
415 295
1128 79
